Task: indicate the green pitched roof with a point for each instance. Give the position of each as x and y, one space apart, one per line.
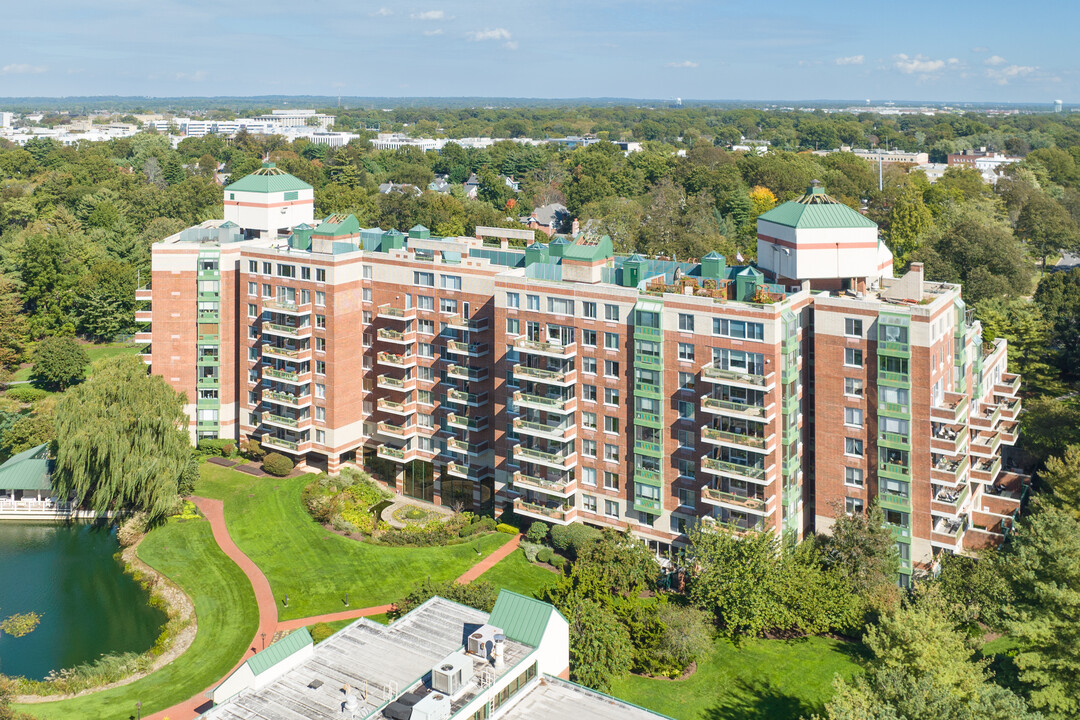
283 648
268 179
589 249
28 470
817 216
338 225
521 618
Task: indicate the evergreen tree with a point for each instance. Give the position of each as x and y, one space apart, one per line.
59 362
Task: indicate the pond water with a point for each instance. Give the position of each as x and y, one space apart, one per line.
88 606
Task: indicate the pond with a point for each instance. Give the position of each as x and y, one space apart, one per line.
88 606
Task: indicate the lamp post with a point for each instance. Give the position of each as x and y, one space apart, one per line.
138 709
263 640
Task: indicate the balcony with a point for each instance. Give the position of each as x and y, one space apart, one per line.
894 440
987 417
395 336
948 471
286 330
466 423
547 349
895 379
393 313
985 470
558 461
946 532
559 488
951 410
713 374
1009 432
1010 409
460 397
395 408
144 293
648 446
387 382
286 353
284 398
464 372
1009 385
392 454
563 432
287 376
736 526
950 500
458 445
745 472
723 437
398 361
460 323
400 432
269 441
543 402
986 445
947 441
561 515
713 496
541 375
284 420
474 350
736 409
209 316
286 308
144 315
143 336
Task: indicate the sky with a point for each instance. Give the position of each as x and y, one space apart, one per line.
945 50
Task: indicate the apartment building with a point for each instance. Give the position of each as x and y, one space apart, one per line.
573 384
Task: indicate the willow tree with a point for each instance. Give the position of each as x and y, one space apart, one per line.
121 440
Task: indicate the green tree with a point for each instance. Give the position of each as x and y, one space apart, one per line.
1058 295
122 440
601 649
13 331
908 221
1047 227
1022 324
59 362
27 432
1043 563
863 550
1049 426
975 588
1061 477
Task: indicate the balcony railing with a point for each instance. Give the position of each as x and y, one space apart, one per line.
735 438
281 306
390 429
281 374
396 313
467 373
463 348
542 484
283 352
714 373
391 359
552 430
391 453
539 374
281 420
754 503
395 336
559 514
554 403
283 397
468 423
526 345
285 329
539 455
271 441
734 468
710 403
460 396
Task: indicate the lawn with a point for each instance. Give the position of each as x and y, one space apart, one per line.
227 616
314 567
94 352
759 680
515 572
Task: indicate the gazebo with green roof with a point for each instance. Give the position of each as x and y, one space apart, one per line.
268 179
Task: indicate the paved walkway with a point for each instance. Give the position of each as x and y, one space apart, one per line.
214 510
489 562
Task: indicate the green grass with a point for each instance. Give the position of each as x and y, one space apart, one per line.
759 680
227 616
94 352
515 572
314 567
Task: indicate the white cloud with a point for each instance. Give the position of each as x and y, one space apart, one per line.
429 15
196 76
1002 75
850 60
382 12
995 60
430 33
510 45
23 69
683 64
920 64
495 34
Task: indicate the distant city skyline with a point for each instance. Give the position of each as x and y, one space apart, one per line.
547 48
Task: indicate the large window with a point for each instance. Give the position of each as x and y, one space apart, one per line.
424 279
686 322
560 306
738 329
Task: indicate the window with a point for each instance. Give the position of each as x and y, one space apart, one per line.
424 279
611 396
611 368
366 294
686 352
253 288
738 329
320 344
305 297
320 275
253 311
853 327
611 313
365 317
588 393
588 420
451 282
853 387
611 424
611 452
320 322
425 327
686 410
611 508
320 297
853 357
611 341
588 476
611 481
588 309
588 448
893 396
320 367
687 468
686 439
853 416
853 446
853 505
425 397
686 322
513 326
560 306
448 306
426 374
253 353
588 365
253 266
320 414
367 272
687 380
425 350
268 291
513 300
588 502
687 497
853 477
588 338
268 268
532 302
287 271
425 302
305 273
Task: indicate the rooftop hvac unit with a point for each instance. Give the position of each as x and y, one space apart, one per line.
434 706
452 674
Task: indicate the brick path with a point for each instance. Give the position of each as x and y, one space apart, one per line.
489 562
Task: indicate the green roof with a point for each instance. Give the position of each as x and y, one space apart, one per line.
268 179
589 249
521 618
817 216
283 648
29 470
338 225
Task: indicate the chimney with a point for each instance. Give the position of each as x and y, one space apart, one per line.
917 268
575 227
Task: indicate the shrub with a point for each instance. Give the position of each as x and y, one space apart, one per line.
508 529
26 394
131 530
321 631
531 550
546 555
557 561
186 485
252 450
277 465
572 539
538 532
478 594
217 446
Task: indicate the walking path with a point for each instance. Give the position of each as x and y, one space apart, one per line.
214 510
